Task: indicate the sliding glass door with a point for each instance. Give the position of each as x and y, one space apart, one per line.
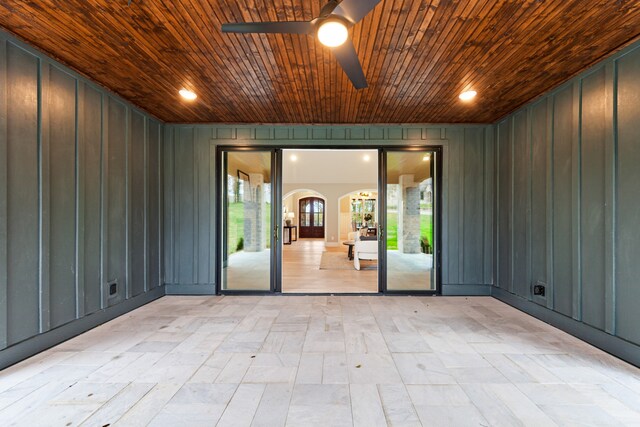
410 240
249 236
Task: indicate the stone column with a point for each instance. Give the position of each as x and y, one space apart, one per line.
408 215
254 206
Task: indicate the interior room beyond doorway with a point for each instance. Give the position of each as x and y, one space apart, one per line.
327 195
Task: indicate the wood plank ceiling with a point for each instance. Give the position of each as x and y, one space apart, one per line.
417 55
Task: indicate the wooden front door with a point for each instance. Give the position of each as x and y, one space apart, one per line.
311 217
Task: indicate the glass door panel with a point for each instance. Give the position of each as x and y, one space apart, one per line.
247 221
410 220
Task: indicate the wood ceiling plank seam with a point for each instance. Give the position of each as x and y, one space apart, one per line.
476 28
248 40
404 89
189 74
256 45
270 63
436 47
355 96
487 80
140 43
381 41
283 63
442 14
442 18
306 46
382 65
437 72
241 59
389 91
359 32
508 58
212 55
64 29
546 85
286 41
454 31
411 50
295 59
254 62
370 56
368 52
324 103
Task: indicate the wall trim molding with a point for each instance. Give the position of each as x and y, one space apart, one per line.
190 289
465 290
616 346
41 342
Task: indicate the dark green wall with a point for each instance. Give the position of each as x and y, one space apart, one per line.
79 197
568 193
468 203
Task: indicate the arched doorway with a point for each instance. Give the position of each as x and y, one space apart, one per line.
312 217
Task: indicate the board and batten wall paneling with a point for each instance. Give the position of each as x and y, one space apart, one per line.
627 231
22 194
505 210
189 199
581 182
70 155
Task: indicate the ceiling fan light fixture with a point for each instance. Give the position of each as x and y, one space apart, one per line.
187 94
332 33
468 95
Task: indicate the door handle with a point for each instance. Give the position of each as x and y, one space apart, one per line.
381 231
275 232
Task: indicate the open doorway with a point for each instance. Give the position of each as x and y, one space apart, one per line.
328 196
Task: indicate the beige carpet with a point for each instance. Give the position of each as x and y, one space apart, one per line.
339 261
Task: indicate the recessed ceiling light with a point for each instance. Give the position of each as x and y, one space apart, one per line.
332 33
366 157
293 158
425 158
187 94
468 95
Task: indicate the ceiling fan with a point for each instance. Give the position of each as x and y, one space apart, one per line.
331 28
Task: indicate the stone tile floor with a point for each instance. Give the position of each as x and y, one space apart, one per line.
322 360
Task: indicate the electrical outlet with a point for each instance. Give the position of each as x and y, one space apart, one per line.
539 289
113 288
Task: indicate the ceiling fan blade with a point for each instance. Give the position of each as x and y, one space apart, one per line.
348 60
291 27
355 10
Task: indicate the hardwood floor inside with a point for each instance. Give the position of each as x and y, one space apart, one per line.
301 271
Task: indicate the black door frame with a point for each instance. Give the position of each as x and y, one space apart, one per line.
276 211
221 213
436 173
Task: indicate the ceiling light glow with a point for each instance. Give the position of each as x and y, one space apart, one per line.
332 33
366 157
187 94
468 95
425 158
293 158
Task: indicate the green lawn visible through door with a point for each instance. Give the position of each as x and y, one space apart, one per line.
426 229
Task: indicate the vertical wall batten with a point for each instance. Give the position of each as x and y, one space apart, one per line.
43 196
79 270
550 123
23 194
3 194
576 143
611 142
